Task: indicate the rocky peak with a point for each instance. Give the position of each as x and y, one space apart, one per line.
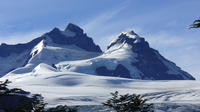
73 35
73 28
130 33
130 37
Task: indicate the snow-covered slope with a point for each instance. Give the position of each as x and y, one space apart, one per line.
73 88
128 56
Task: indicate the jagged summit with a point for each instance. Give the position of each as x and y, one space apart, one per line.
73 28
130 34
73 35
130 37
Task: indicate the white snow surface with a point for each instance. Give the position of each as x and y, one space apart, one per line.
118 54
50 53
73 88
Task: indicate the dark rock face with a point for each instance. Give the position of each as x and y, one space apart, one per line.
120 71
150 61
152 67
123 38
74 28
80 39
6 50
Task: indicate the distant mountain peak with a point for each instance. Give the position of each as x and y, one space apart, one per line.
73 28
130 33
72 35
129 37
55 30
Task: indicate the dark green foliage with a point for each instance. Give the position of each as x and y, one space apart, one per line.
26 104
38 103
6 93
128 103
4 90
196 24
23 107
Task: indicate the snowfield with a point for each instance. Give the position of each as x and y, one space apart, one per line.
85 90
119 54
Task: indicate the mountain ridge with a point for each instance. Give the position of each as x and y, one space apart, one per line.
128 56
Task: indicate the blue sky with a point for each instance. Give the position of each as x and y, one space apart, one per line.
164 23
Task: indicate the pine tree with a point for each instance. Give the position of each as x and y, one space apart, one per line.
128 103
26 104
4 90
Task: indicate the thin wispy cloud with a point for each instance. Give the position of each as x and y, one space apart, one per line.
106 26
100 25
102 21
165 39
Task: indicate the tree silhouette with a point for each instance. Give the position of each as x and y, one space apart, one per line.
128 103
196 24
26 104
4 90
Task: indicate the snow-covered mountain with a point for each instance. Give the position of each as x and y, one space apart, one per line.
51 48
128 56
